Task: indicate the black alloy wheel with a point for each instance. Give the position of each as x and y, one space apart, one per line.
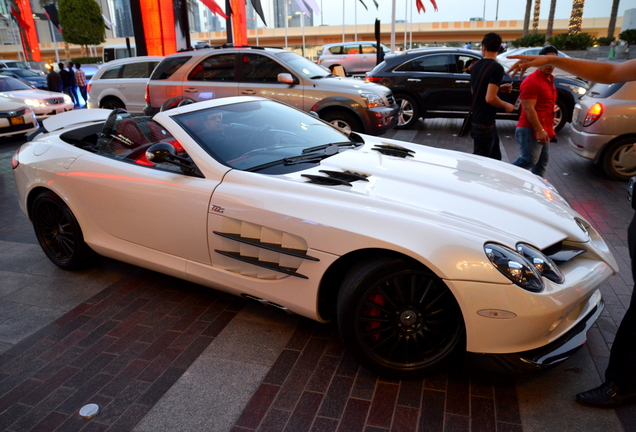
398 319
58 232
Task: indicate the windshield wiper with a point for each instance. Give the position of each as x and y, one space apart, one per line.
350 144
315 156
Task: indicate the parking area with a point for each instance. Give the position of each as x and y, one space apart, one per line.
160 354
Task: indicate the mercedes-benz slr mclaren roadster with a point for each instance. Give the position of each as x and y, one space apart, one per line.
418 253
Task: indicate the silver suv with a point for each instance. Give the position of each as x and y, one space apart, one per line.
277 74
121 84
353 57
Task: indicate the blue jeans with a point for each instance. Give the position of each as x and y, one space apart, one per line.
534 156
486 141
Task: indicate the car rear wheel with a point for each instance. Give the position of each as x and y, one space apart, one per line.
398 319
619 159
112 103
343 120
58 232
409 112
560 115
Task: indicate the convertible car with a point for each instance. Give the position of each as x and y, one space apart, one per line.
418 253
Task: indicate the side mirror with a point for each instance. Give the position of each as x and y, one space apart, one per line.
286 78
161 152
314 113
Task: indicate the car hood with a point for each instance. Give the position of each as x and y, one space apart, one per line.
350 85
10 105
457 190
20 95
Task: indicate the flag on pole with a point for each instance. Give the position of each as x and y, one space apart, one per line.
214 7
259 9
51 13
420 5
18 17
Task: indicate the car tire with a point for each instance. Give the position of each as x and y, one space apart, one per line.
560 115
343 120
398 319
112 103
409 112
619 159
59 233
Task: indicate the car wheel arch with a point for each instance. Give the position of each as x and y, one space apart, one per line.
343 108
334 276
111 98
602 155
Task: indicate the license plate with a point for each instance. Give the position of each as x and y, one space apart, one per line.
16 120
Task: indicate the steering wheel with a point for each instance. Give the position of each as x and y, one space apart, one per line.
258 136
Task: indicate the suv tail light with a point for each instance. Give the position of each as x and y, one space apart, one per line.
147 95
593 114
373 79
88 89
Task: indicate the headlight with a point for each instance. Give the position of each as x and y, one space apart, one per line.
542 263
34 103
372 100
514 266
576 89
67 99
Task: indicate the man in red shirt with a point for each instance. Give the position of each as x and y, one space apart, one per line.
536 123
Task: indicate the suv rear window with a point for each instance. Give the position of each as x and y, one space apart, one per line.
169 66
430 63
601 91
111 73
138 70
218 67
258 68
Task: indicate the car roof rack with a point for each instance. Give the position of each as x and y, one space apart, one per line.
231 45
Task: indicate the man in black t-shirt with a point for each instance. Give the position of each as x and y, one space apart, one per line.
483 129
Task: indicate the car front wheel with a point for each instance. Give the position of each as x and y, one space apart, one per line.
343 120
58 232
398 319
619 159
560 115
409 112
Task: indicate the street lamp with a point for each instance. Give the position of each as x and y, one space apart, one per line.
302 25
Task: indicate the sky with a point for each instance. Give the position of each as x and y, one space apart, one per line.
448 10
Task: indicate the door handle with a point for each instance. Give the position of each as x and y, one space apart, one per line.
414 80
248 92
190 90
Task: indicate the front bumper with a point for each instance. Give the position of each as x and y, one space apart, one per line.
543 357
381 119
45 112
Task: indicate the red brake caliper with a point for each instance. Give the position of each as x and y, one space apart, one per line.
371 312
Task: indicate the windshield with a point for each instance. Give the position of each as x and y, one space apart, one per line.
16 64
25 73
10 84
252 134
303 66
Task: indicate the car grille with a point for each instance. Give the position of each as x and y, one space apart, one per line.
390 98
54 101
12 113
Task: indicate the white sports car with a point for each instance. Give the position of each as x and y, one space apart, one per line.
417 252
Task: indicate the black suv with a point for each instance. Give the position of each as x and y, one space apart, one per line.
436 83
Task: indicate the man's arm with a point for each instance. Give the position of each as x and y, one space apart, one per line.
533 118
602 72
494 100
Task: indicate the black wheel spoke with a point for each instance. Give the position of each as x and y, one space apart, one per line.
377 306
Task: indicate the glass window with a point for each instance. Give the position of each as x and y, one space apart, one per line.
169 66
258 68
336 50
463 63
429 63
138 70
214 68
111 73
368 49
351 49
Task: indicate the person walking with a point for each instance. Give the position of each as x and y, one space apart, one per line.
612 50
53 80
536 122
485 82
67 83
619 386
80 80
73 86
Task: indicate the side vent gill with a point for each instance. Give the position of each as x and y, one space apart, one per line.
394 150
336 178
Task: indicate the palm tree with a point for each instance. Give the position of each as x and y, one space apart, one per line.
576 17
612 23
548 32
535 18
526 20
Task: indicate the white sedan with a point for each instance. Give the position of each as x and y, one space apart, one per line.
16 118
418 253
43 102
